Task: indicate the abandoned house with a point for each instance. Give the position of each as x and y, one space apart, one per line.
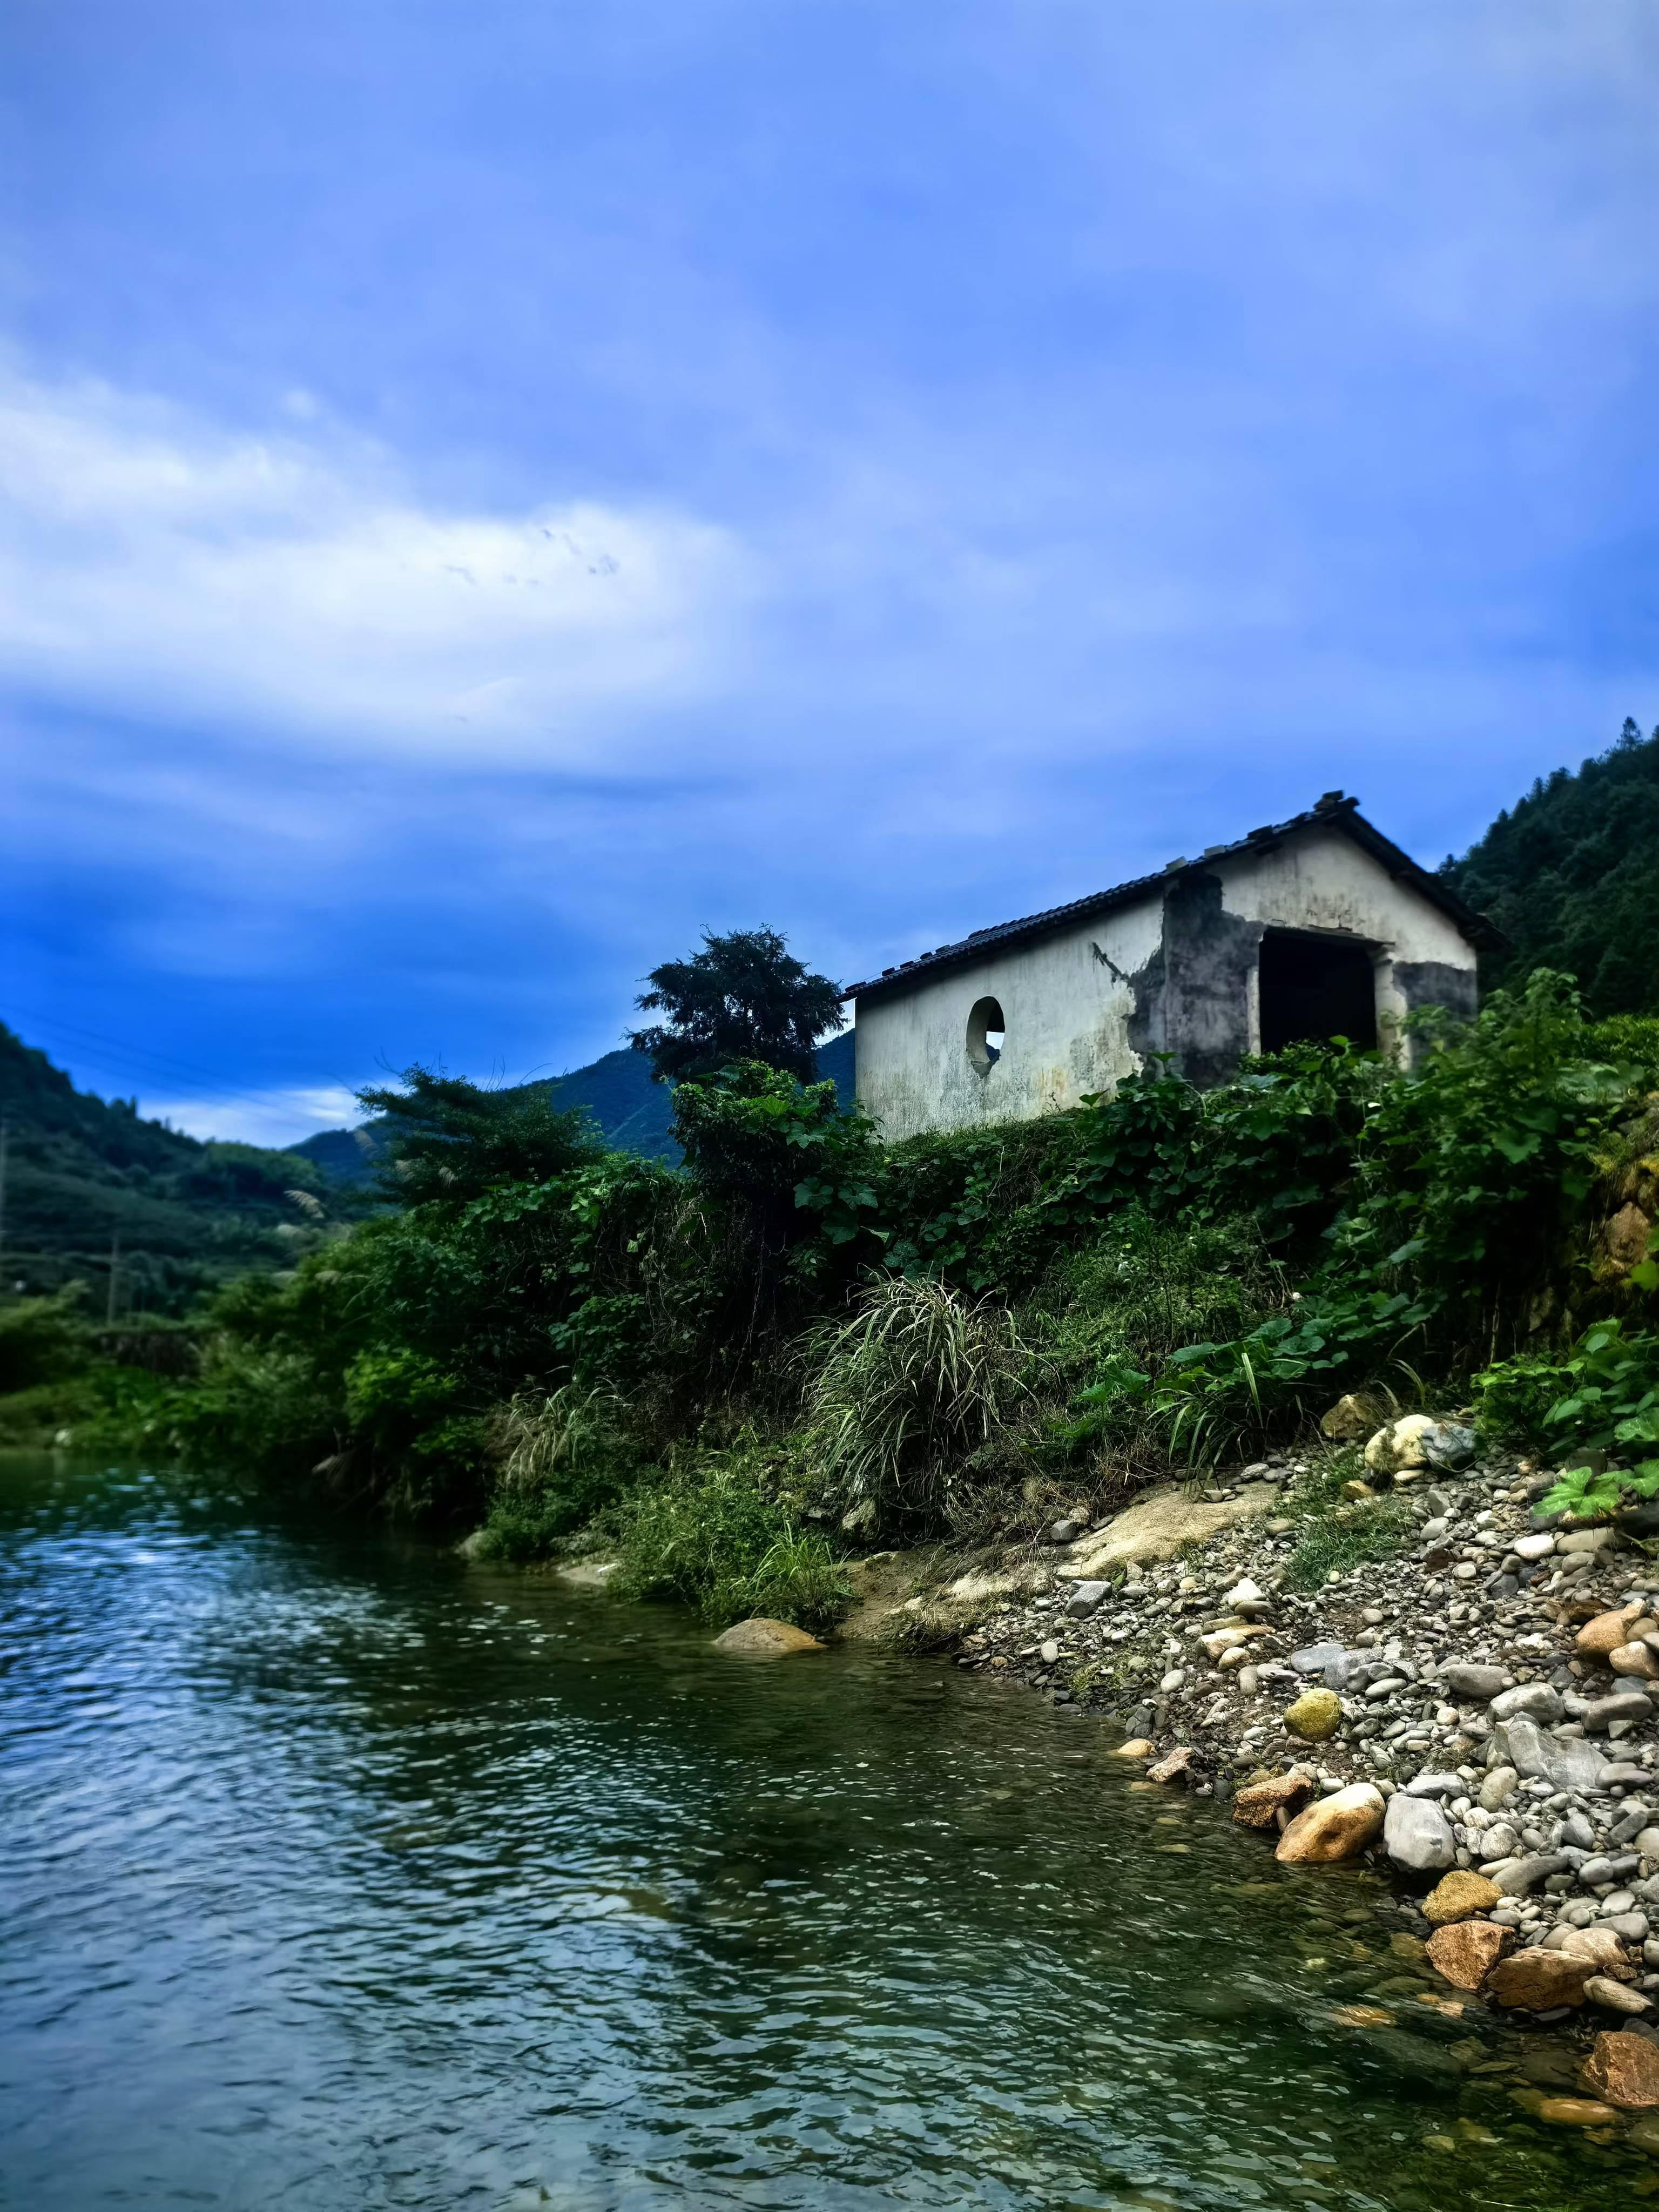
1315 927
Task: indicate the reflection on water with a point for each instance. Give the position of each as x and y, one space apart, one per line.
341 1875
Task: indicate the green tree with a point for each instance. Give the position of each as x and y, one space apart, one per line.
743 997
448 1139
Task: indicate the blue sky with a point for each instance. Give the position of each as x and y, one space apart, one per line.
491 487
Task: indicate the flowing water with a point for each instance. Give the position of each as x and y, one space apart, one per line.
337 1874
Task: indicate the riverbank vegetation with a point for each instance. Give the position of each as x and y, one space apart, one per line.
802 1340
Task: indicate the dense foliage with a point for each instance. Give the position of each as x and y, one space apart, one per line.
800 1330
1569 876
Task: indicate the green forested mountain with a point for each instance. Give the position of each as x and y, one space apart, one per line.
90 1184
630 1112
1570 875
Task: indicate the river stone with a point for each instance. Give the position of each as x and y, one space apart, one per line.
1498 1788
1319 1658
1536 1700
1176 1767
1315 1715
1601 1637
1614 1996
1575 2111
1138 1747
1538 1981
1435 1785
1600 1713
1159 1523
1338 1827
1466 1679
1623 2070
1259 1804
1635 1659
1565 1762
1521 1876
1353 1416
1600 1946
1538 1546
1456 1896
1086 1598
1417 1835
761 1639
1465 1952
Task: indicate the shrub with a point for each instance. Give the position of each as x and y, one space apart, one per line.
713 1537
562 1463
1602 1394
903 1392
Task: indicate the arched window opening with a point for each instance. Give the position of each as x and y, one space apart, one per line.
987 1033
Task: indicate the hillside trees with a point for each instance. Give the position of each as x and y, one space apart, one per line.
1570 875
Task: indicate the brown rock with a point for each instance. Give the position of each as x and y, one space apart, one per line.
1465 1952
1176 1768
1623 2070
1456 1896
761 1639
1356 1415
1138 1747
1259 1803
1537 1981
1635 1659
1624 1238
1601 1637
1337 1827
1575 2113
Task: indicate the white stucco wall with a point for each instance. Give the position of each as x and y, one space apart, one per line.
1068 1012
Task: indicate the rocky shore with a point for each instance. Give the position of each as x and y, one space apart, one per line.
1478 1713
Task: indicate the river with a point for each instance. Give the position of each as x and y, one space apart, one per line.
341 1875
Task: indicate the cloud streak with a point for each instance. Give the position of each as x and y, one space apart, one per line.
298 589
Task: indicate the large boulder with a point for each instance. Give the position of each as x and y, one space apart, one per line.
1456 1896
1623 2070
1158 1524
1535 1701
1418 1440
1338 1827
1417 1835
761 1639
1539 1981
1355 1415
1466 1951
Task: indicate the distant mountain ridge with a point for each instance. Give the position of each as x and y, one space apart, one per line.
631 1112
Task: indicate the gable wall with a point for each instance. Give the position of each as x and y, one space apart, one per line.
1181 979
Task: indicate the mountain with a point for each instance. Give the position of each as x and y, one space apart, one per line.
630 1111
91 1188
1570 875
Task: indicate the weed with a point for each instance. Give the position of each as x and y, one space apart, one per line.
712 1537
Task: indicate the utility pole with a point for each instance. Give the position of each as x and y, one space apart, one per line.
114 1263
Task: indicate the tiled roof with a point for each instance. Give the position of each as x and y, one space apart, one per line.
1334 811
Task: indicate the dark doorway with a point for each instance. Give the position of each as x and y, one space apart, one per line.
1314 987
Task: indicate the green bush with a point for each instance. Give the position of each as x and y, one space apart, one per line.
712 1537
1601 1395
562 1461
41 1340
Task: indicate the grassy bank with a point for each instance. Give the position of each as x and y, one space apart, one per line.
802 1341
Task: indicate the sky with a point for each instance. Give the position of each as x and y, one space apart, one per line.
489 488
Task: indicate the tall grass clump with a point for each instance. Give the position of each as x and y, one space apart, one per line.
903 1393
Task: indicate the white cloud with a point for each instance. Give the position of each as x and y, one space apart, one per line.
276 1117
148 560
